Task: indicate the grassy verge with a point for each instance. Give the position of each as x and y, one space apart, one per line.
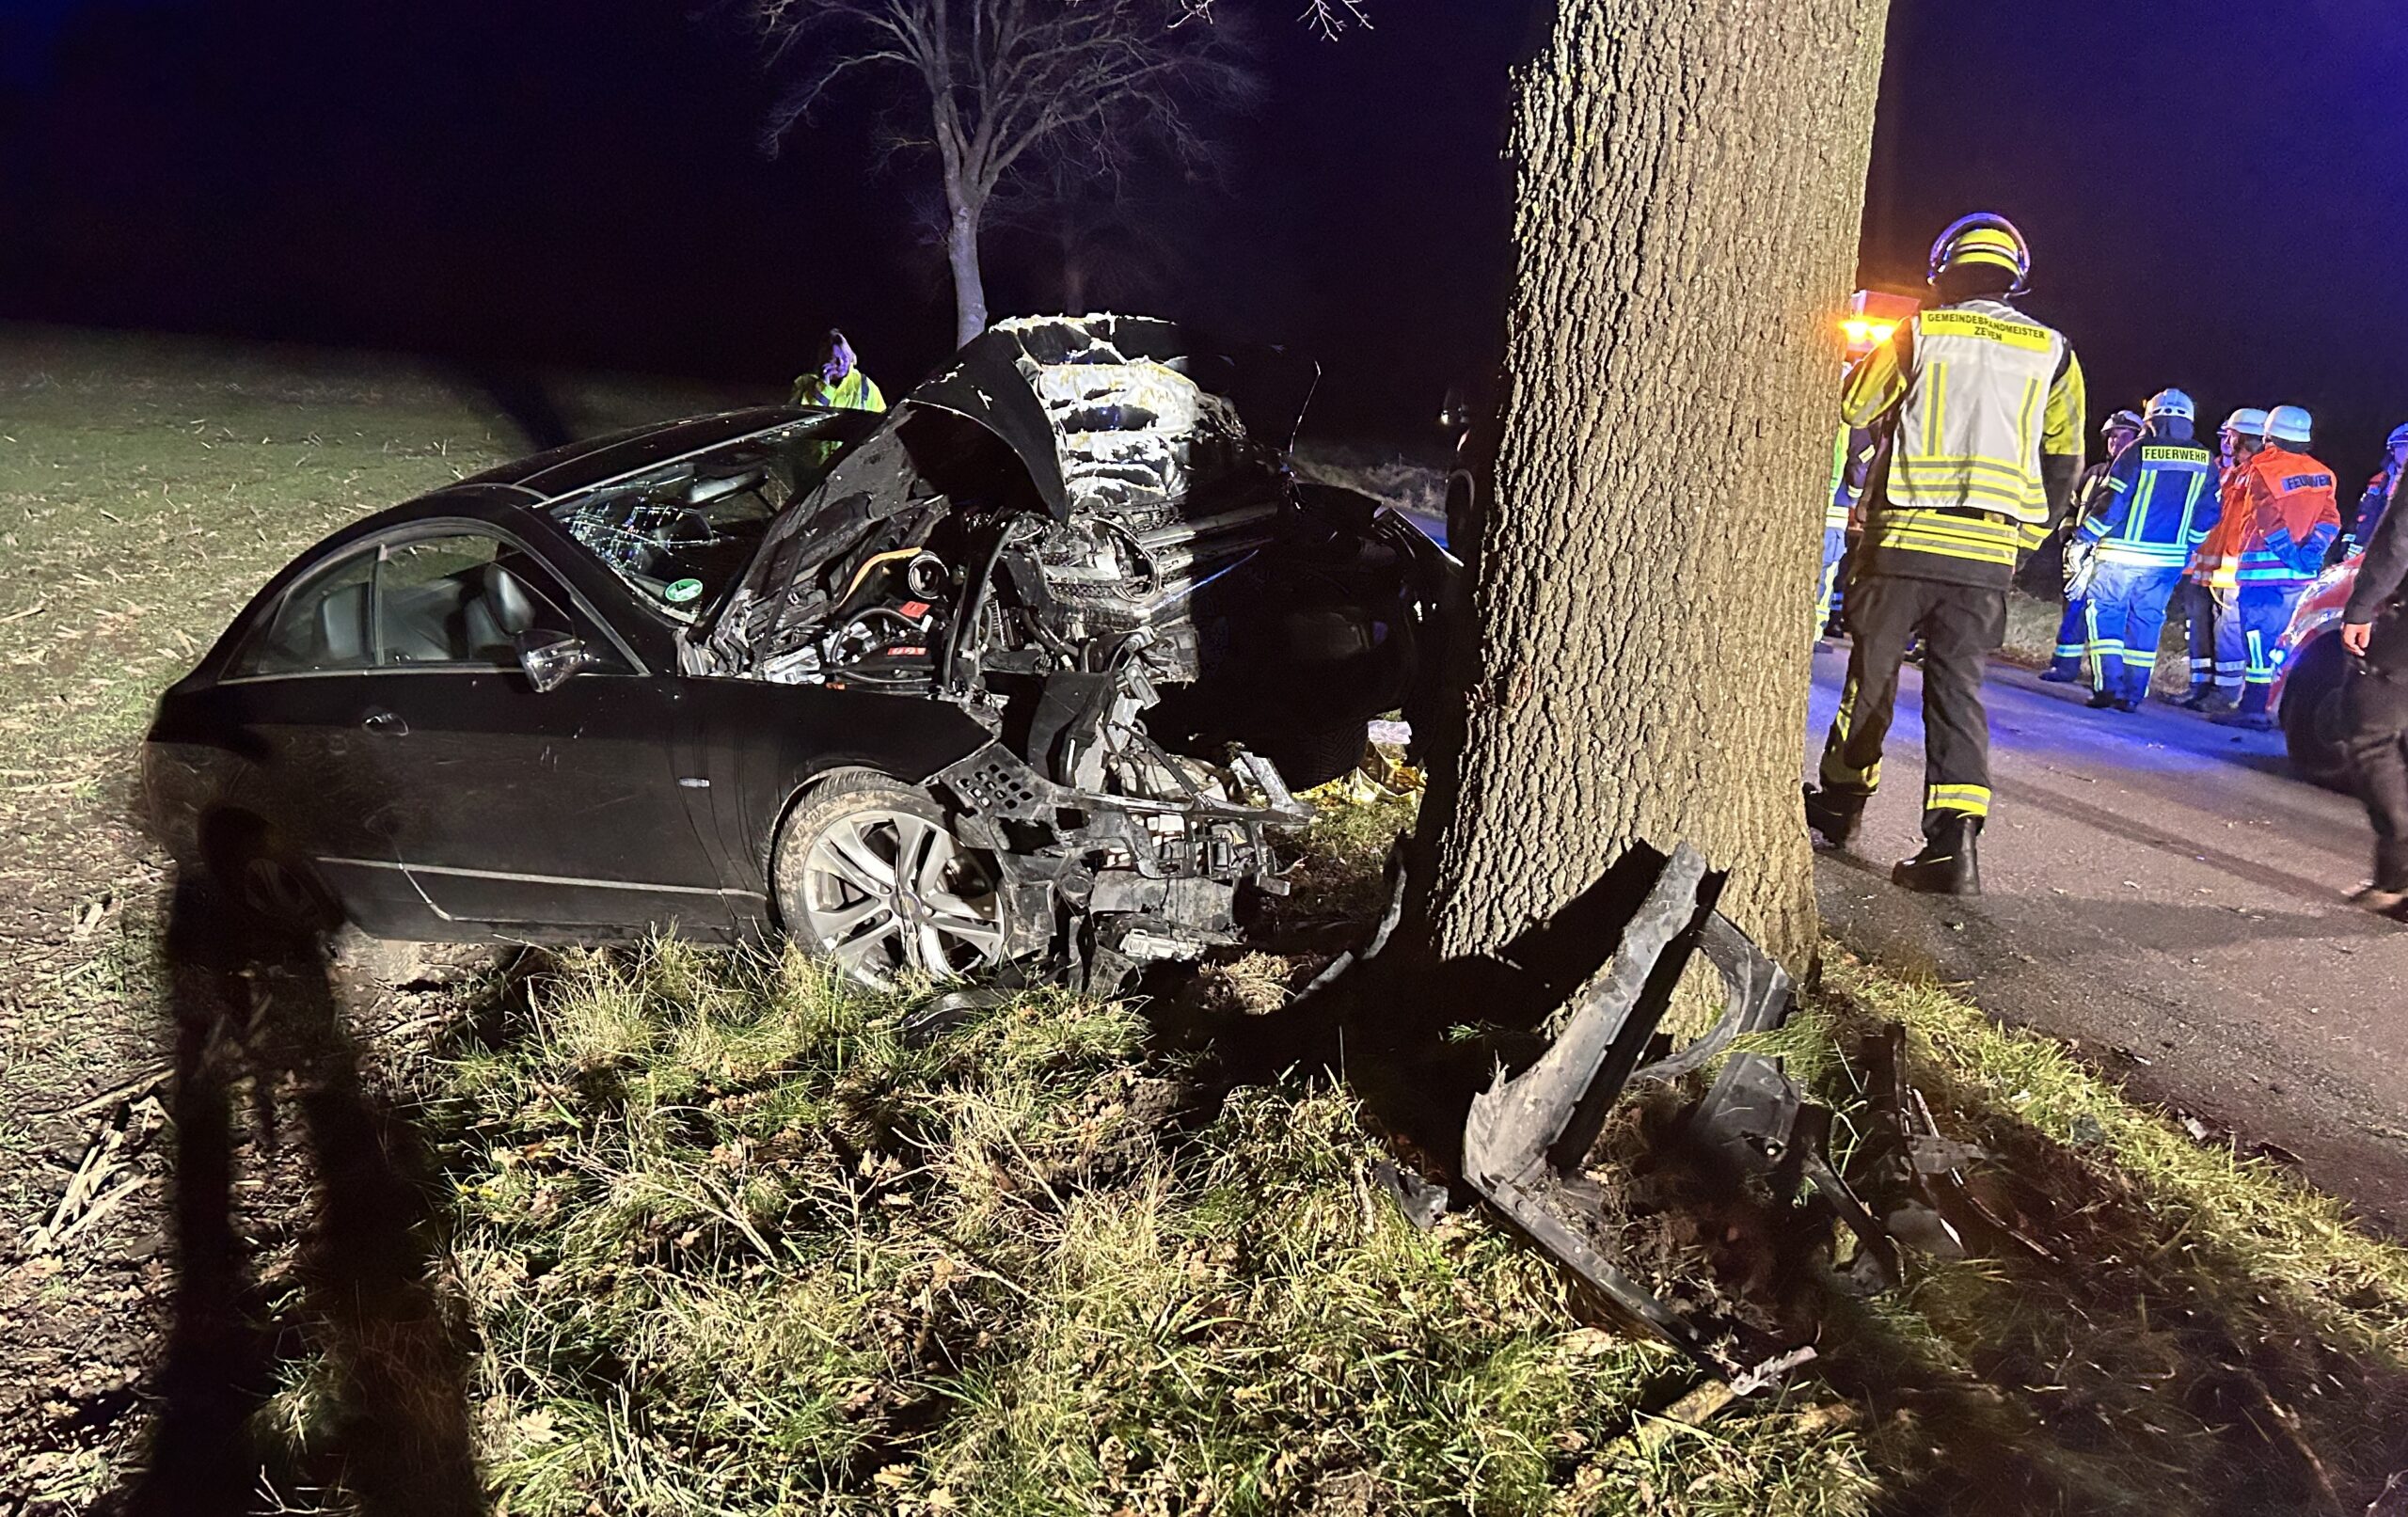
730 1241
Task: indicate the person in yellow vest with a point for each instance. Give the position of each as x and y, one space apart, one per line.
1983 410
838 383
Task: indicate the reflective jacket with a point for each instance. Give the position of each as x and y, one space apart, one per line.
1976 401
1851 461
2279 517
2156 505
856 391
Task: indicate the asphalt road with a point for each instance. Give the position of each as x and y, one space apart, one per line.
2164 892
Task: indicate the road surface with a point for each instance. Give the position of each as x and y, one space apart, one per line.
2165 892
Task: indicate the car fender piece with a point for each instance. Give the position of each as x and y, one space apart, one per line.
1524 1138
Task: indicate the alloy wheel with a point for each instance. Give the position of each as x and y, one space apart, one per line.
885 892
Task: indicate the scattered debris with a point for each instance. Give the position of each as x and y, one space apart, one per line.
1526 1137
85 1201
1421 1201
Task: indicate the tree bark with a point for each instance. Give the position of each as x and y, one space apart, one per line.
1691 182
969 285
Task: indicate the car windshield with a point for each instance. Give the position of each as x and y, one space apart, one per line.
682 534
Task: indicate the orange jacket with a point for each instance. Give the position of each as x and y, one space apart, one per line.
2279 515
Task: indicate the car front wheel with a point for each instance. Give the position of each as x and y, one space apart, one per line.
2313 721
868 873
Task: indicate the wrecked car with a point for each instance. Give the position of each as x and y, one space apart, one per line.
1027 668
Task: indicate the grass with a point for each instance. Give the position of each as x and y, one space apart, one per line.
734 1245
727 1241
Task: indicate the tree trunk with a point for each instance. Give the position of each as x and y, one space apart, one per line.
1692 180
969 285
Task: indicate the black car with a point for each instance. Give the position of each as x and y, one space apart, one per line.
1026 669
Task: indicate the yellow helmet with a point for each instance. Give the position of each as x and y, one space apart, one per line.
1984 237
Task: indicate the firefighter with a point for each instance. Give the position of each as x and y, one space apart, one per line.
2358 530
1851 458
2267 549
1974 468
2374 704
2243 434
837 380
2138 540
2089 495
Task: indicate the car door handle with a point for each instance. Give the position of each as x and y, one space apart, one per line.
386 725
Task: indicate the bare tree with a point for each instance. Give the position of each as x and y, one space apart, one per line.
1010 85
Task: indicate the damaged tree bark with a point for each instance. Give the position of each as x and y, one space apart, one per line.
1691 182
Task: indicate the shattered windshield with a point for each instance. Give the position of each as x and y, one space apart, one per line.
682 534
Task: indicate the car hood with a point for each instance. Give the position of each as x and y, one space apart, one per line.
1031 382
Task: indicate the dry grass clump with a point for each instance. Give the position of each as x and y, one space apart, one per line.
735 1246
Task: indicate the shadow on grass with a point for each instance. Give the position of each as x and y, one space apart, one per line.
341 1378
2146 1371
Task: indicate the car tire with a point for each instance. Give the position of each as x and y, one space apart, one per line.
2313 722
1316 755
868 872
265 881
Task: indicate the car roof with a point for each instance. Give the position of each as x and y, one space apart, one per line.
580 465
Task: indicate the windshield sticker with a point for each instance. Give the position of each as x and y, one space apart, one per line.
679 592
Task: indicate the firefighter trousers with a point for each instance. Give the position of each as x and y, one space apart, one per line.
2376 710
2249 626
2073 637
2127 619
2198 605
1960 626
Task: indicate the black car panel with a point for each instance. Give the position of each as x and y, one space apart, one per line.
1059 590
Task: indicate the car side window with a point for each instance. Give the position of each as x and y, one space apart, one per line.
462 598
323 625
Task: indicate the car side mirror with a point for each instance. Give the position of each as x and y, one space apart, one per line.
552 659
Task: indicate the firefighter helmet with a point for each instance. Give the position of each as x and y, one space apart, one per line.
2124 421
1984 237
2398 435
2173 402
2289 423
2248 421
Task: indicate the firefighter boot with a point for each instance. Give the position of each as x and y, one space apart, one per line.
1833 816
1946 866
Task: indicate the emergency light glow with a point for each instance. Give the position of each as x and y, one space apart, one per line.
1864 332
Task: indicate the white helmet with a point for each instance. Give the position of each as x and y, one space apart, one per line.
2248 421
2173 402
2289 423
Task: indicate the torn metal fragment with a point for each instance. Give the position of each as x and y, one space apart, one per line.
1526 1137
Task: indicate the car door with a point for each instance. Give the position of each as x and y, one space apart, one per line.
291 698
529 810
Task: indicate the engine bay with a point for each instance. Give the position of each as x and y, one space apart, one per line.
1075 541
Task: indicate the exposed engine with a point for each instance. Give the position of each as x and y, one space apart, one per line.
1057 536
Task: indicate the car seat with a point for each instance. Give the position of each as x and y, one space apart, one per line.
502 611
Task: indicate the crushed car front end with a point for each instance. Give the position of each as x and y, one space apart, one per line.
1077 537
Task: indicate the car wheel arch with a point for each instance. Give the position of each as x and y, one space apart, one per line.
807 787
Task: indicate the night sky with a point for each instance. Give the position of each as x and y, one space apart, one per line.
2215 201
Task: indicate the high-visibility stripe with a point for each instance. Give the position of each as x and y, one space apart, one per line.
2143 555
1973 801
